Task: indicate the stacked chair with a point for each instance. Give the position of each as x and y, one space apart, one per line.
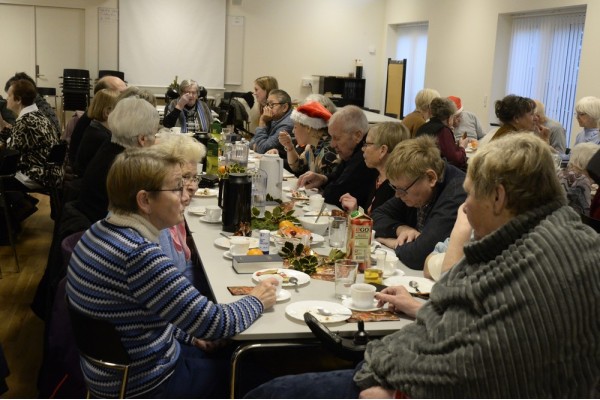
75 90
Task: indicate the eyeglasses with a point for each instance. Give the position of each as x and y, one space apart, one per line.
191 180
365 144
271 105
580 114
178 190
403 192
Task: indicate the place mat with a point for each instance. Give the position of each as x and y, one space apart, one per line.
240 290
373 316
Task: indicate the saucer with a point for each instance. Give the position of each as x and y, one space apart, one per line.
228 255
283 295
197 210
208 221
348 303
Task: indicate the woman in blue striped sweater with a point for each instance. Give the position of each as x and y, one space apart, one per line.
119 273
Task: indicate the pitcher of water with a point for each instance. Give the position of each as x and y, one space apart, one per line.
239 153
259 189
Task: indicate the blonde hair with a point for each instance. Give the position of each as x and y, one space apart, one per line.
424 97
137 169
389 134
523 164
412 158
267 83
104 99
182 146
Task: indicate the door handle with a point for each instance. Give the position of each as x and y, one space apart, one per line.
37 72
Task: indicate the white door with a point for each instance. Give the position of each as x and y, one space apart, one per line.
60 43
17 27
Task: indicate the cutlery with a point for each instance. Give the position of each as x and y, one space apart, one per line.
225 235
320 212
325 312
414 285
293 280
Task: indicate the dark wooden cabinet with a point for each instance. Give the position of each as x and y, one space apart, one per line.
344 90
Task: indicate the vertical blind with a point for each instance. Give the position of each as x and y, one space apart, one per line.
544 61
412 45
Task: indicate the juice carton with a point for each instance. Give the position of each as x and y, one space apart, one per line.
358 245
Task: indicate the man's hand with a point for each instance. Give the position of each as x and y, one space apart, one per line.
348 202
406 234
311 180
376 392
399 300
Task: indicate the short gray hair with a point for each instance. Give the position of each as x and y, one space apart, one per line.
130 118
581 154
351 118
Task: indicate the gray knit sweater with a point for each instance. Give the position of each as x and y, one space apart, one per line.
518 316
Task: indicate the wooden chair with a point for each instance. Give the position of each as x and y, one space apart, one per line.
99 344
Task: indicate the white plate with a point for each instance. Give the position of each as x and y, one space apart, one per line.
302 277
425 284
297 310
396 272
348 303
228 255
197 210
208 221
224 243
206 192
288 174
283 295
312 213
316 238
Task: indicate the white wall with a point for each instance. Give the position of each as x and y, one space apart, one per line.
462 44
295 39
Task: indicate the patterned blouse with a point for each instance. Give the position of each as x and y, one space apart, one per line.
322 161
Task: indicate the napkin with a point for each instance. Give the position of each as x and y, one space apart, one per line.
373 316
240 290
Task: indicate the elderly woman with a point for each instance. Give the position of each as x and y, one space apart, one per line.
575 179
118 273
133 123
33 135
428 194
310 130
97 131
379 144
520 308
274 119
440 127
188 111
422 113
587 111
173 240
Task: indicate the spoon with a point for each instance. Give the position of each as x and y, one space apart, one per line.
325 312
225 235
320 212
293 280
414 285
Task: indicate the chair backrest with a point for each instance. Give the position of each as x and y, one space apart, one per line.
46 91
9 162
57 154
97 338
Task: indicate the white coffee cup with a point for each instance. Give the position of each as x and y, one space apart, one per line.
362 295
238 245
276 276
213 213
199 168
315 202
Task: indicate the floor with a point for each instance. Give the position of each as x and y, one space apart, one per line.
21 332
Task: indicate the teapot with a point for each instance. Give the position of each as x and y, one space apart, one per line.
235 199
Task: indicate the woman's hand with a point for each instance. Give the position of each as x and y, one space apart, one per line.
209 346
376 392
265 291
286 140
464 142
348 202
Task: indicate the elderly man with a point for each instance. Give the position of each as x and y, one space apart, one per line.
276 118
517 317
133 123
348 128
428 194
465 122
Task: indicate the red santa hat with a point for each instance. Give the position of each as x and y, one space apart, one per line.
458 103
312 114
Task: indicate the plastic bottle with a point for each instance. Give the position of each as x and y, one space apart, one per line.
212 157
264 240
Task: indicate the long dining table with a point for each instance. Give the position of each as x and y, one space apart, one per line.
274 323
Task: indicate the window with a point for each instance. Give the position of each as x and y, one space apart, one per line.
411 43
543 61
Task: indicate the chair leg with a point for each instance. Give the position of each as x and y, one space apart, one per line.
11 238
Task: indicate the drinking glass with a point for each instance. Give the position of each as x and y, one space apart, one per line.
338 230
345 276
